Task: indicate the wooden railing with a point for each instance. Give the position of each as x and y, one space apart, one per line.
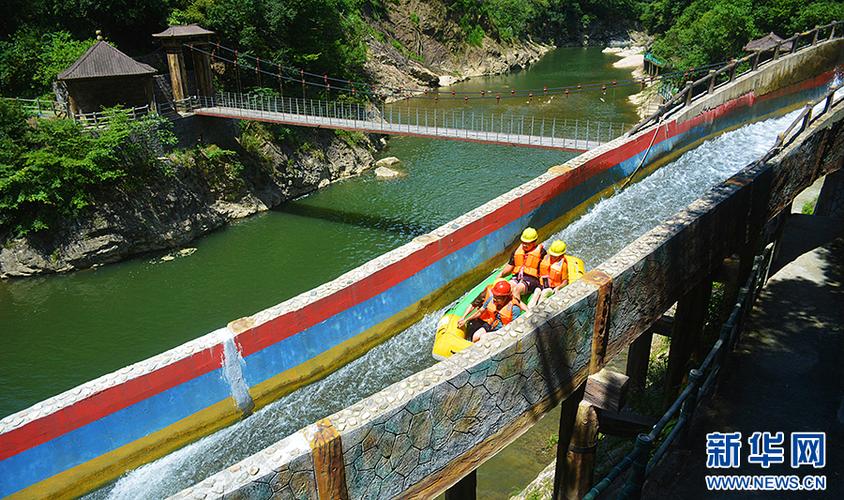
38 107
646 455
726 74
101 118
808 115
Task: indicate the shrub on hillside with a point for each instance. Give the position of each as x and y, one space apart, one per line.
53 168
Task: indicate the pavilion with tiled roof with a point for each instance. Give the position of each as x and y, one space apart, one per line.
103 77
767 42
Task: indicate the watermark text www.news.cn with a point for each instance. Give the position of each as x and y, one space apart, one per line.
806 450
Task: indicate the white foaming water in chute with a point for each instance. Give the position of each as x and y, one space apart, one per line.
614 222
601 232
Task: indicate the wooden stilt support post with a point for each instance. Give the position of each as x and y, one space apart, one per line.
638 356
564 476
580 459
685 336
605 390
568 412
465 489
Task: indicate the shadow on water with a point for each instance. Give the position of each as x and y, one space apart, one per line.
367 221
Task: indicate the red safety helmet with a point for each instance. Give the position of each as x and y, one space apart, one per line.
501 289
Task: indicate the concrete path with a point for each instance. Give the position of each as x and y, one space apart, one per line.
786 374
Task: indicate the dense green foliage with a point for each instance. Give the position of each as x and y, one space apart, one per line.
39 38
322 35
694 33
54 168
29 61
556 20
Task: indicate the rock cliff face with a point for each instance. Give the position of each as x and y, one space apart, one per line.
198 196
416 45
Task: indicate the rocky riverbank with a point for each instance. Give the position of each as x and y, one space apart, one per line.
632 54
417 45
206 188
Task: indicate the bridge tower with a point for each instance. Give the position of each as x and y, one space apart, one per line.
174 39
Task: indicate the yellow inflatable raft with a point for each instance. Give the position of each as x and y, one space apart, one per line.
451 339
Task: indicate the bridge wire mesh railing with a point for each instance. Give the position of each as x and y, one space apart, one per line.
717 78
403 119
643 458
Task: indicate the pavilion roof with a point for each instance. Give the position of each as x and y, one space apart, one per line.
102 61
767 42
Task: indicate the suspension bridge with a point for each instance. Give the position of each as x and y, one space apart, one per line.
455 124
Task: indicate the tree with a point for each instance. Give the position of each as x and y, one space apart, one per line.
706 32
30 62
54 168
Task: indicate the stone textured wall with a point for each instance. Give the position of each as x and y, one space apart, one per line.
419 436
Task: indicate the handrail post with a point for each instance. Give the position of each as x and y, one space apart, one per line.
777 50
828 101
815 33
576 131
756 61
688 90
587 134
806 119
832 31
688 410
711 81
733 65
794 43
636 480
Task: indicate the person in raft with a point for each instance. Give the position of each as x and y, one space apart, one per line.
486 295
553 272
497 310
524 264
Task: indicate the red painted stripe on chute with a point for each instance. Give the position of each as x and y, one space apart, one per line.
137 389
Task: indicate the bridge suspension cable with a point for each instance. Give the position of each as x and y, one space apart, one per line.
353 87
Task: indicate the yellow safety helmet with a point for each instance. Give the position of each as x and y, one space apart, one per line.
557 248
529 235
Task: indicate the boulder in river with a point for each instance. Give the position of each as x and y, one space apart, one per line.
386 173
388 162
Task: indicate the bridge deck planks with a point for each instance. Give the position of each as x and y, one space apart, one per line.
385 127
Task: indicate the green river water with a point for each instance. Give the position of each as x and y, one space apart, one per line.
60 331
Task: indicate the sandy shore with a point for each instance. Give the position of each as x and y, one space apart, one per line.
633 58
